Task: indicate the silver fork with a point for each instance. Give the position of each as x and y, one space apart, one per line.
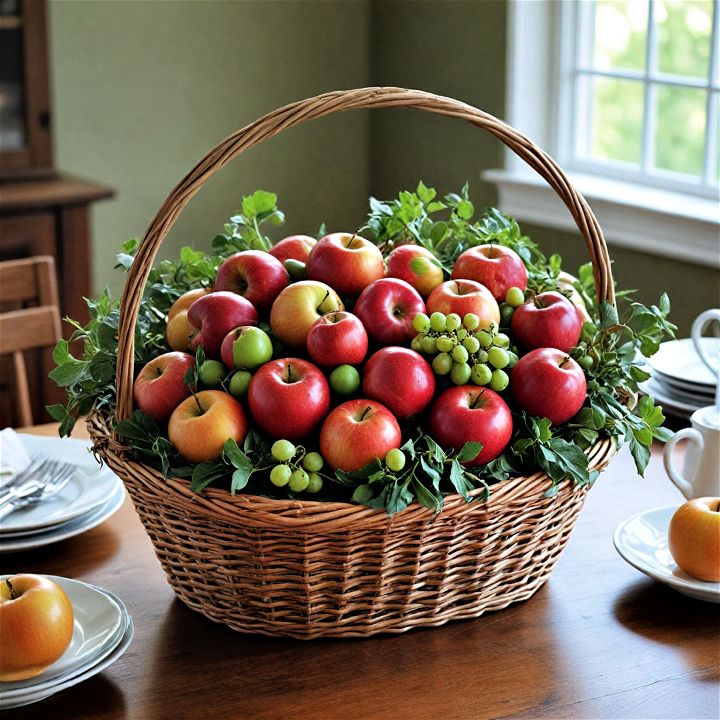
38 464
40 476
40 492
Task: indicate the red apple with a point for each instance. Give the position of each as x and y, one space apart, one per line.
295 247
548 383
160 386
496 267
387 308
288 398
471 414
400 379
463 297
357 432
694 538
213 316
346 262
36 625
547 320
338 338
201 424
257 276
417 266
298 306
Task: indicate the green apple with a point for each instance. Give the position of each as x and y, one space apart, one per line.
239 383
211 373
251 348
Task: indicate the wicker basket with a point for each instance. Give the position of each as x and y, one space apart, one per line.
311 569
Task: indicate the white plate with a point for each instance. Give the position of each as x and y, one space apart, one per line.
100 621
90 672
68 530
89 488
701 393
678 360
642 541
680 408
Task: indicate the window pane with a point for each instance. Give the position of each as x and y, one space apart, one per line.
620 34
680 129
684 28
617 119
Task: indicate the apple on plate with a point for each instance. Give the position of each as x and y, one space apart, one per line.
463 297
386 308
246 347
178 331
256 275
337 338
202 423
400 379
417 266
694 538
288 398
213 316
468 413
160 386
294 247
549 383
298 306
36 625
357 432
346 262
496 267
547 320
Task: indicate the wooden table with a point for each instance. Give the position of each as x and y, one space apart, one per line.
599 640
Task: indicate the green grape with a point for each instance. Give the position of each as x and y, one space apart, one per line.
461 334
282 450
586 362
395 459
442 363
512 359
499 380
502 340
481 374
481 356
460 373
471 344
313 462
280 475
445 343
315 483
506 313
514 297
429 345
471 322
459 354
299 480
452 322
498 357
416 343
421 322
438 322
485 338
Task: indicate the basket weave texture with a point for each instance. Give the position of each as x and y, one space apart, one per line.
308 569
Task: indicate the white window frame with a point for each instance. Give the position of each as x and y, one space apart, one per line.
659 217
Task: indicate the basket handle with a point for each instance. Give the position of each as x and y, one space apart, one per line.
315 107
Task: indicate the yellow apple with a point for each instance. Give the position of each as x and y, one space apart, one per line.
694 538
178 331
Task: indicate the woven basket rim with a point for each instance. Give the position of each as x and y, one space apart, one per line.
220 503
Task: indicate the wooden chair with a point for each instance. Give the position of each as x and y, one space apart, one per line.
30 286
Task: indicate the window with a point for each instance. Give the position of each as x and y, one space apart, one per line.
642 91
625 95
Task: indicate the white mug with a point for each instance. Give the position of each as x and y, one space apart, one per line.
696 333
701 472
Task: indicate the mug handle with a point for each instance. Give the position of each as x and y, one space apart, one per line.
691 435
696 333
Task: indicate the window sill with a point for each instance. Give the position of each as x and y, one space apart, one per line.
654 221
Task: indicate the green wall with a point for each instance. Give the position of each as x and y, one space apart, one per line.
143 89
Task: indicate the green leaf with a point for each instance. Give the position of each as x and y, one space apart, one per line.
362 494
469 451
459 480
433 473
207 473
428 499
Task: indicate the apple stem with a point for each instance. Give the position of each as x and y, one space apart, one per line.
322 302
564 361
13 596
197 402
538 302
475 402
365 412
349 242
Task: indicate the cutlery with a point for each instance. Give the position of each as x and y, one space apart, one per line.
37 492
39 470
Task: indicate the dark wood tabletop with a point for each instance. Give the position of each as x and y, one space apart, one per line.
599 640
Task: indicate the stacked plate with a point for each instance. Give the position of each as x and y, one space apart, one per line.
103 632
91 496
681 383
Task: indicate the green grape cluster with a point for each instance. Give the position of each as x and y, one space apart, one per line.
298 470
460 348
